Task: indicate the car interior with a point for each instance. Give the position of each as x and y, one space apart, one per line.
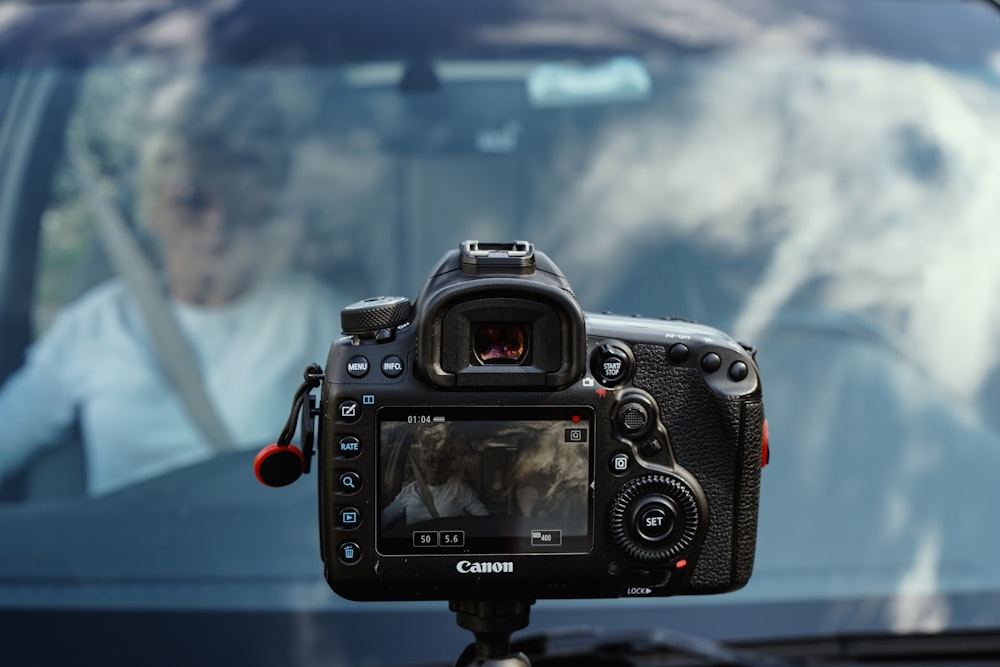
816 183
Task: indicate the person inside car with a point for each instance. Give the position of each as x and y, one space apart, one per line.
208 196
439 489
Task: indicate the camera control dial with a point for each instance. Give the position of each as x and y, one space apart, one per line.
654 518
368 317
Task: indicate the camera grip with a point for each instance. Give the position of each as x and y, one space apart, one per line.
721 448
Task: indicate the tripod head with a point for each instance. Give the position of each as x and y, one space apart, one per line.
492 623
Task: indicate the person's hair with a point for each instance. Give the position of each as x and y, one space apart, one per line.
435 464
223 128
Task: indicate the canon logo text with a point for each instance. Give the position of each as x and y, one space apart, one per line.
494 567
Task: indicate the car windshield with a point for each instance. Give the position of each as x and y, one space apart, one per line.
190 194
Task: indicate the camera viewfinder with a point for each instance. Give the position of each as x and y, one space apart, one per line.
505 343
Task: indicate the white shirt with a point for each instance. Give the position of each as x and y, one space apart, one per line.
97 362
453 498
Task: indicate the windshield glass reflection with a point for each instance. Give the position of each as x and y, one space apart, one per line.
830 203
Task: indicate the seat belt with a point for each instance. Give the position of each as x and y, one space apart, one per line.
425 493
173 351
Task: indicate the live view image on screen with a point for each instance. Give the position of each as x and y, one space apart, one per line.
485 480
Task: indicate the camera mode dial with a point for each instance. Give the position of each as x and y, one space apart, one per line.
654 518
366 318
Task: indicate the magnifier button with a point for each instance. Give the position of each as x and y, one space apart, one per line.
349 482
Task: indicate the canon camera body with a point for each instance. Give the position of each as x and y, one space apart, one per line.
493 441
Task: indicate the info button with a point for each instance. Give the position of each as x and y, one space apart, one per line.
392 366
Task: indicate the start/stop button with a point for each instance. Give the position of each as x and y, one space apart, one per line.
611 364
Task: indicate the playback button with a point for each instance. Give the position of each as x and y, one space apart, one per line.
348 518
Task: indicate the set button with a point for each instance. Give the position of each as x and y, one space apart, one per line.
655 521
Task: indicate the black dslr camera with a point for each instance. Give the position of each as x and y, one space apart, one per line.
493 441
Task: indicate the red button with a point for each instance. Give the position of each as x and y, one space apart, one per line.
278 466
765 449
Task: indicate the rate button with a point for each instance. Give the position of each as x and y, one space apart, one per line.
349 447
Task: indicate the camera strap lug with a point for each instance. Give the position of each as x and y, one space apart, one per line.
308 413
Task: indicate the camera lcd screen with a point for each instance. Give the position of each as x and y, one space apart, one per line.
485 480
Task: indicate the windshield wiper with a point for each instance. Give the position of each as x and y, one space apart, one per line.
586 646
920 647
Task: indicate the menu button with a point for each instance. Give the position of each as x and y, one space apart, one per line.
357 366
